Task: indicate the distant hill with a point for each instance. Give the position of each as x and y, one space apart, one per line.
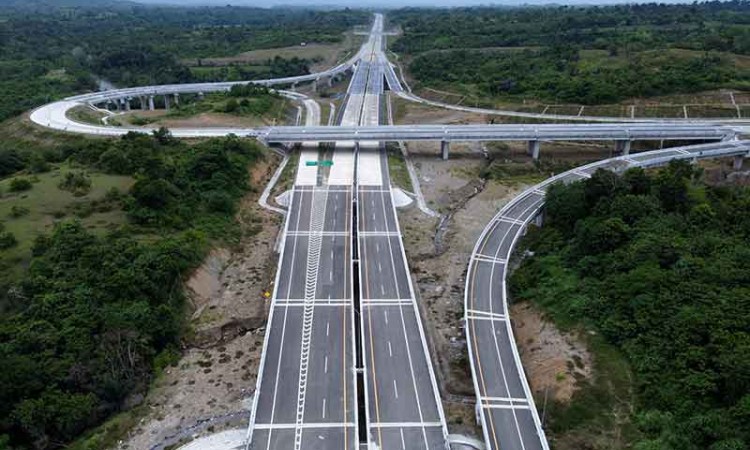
33 5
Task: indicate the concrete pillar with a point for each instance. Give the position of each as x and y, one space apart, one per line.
126 101
445 148
177 99
151 103
200 96
329 80
539 219
534 149
118 104
166 102
737 163
315 85
622 147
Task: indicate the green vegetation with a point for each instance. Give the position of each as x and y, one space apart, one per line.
588 55
658 266
50 51
92 311
252 101
397 167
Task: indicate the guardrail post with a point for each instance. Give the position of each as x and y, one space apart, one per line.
534 149
445 148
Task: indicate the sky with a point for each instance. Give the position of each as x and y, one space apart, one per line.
394 3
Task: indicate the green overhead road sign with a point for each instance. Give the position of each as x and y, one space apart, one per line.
324 163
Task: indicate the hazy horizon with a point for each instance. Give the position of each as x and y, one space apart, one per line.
389 4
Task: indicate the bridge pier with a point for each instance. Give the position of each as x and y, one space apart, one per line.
151 103
445 148
534 149
622 147
177 99
126 101
166 102
737 163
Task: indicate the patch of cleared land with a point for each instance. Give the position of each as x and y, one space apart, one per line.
34 212
322 55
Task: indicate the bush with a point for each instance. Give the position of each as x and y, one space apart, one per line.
77 183
7 240
20 184
18 211
37 163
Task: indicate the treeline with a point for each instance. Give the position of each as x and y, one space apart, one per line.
589 55
659 265
95 316
49 51
715 26
560 74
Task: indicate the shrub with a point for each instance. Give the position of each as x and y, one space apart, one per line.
20 184
78 183
18 211
7 240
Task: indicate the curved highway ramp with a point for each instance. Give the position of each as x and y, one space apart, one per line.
506 406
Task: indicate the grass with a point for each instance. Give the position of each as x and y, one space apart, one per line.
323 55
599 413
397 168
110 432
286 179
213 104
86 115
46 204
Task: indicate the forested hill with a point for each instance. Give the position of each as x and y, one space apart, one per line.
659 265
588 55
48 53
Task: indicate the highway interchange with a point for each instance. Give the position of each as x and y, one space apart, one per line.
345 361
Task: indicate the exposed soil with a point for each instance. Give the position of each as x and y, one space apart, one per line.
438 250
202 120
554 361
439 270
212 385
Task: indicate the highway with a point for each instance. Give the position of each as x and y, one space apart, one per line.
307 387
403 407
345 362
509 418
